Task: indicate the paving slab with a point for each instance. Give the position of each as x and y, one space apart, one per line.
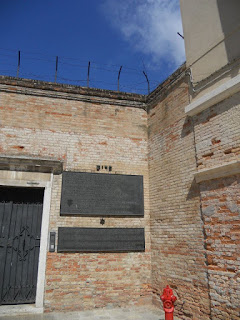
136 313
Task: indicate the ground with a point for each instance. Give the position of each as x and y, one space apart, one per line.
136 313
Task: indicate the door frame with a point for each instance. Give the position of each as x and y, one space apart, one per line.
47 186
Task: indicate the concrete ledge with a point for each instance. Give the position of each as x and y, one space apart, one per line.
70 92
146 312
215 96
17 310
225 170
22 163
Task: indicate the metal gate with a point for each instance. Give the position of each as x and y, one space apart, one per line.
20 230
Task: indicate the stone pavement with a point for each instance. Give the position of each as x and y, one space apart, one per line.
136 313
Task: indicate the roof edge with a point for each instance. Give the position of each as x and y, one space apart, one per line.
163 87
66 91
103 96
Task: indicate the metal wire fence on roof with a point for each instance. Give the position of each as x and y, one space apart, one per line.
41 66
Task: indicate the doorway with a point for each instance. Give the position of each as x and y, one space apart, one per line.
20 234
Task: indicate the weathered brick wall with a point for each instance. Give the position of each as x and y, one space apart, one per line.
217 143
218 133
194 228
83 135
220 206
178 255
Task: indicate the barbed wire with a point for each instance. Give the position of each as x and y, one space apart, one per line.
77 71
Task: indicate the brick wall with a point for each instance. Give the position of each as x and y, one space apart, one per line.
178 255
218 133
220 206
83 135
191 230
218 143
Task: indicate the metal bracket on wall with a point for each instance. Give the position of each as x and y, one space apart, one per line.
52 242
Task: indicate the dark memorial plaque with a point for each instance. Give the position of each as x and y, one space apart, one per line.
100 239
100 194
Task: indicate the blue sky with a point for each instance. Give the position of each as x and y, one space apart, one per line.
139 35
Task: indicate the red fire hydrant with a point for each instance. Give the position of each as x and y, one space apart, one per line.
168 299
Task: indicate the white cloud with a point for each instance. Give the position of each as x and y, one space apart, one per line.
150 27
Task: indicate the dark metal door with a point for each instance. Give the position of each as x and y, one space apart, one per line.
20 229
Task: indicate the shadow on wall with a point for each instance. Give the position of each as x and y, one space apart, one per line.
229 13
210 185
219 184
193 191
